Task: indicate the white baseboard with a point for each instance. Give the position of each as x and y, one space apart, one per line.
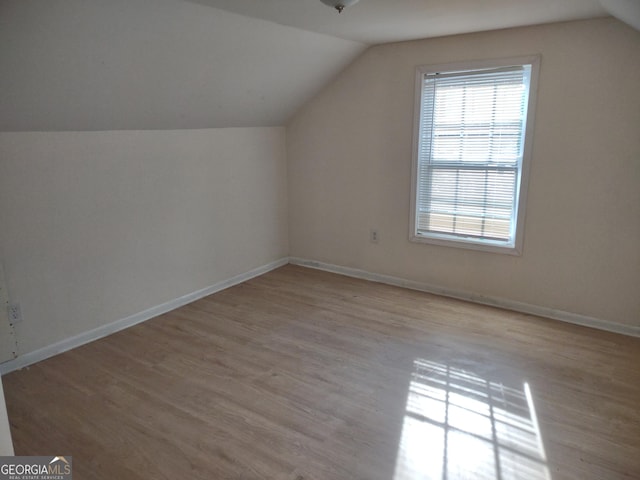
49 351
472 297
104 330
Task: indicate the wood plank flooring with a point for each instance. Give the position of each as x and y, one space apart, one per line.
301 374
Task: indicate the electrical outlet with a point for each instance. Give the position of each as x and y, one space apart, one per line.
373 236
15 315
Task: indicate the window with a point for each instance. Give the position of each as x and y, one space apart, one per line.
471 148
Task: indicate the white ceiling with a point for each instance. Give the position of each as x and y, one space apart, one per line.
382 21
178 64
626 10
155 64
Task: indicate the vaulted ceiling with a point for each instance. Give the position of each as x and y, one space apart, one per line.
383 21
154 64
175 64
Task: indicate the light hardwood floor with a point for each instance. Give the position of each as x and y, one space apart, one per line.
301 374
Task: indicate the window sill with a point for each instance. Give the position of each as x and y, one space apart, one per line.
484 246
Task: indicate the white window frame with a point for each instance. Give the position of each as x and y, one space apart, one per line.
515 246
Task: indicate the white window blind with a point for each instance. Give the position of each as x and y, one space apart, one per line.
470 149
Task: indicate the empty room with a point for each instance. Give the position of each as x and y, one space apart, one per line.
320 240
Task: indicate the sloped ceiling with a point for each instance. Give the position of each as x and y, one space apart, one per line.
177 64
626 10
154 64
383 21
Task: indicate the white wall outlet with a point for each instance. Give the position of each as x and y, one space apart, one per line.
374 236
14 313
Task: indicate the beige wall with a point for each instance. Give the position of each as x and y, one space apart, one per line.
349 158
97 226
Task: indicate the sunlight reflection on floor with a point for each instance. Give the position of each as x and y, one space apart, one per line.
460 426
